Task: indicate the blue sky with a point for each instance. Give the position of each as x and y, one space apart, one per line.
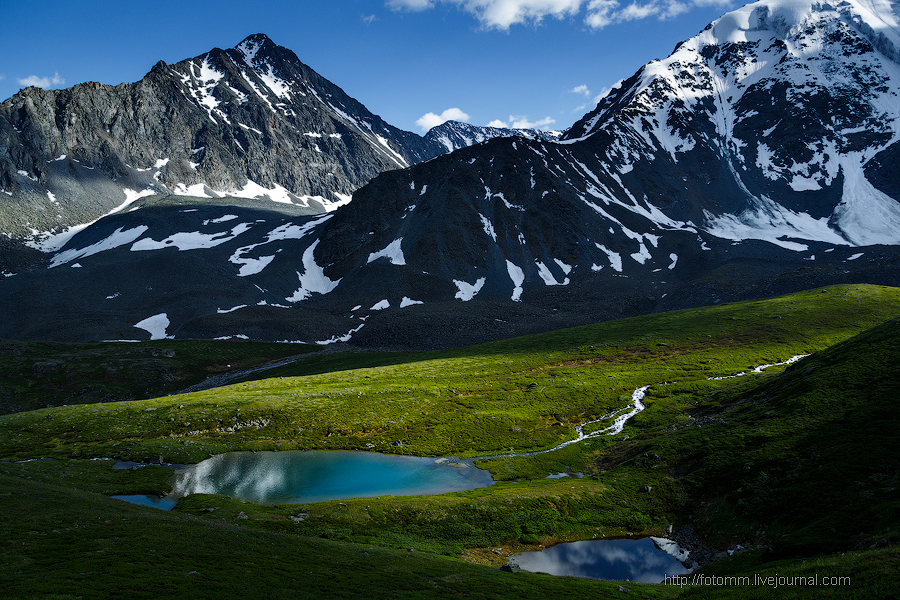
514 62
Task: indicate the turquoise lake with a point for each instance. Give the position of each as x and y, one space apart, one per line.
318 475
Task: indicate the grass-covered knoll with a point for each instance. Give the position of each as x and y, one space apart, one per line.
40 374
805 461
521 394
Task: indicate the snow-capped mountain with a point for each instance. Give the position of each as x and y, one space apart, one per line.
453 135
760 157
779 123
780 118
251 121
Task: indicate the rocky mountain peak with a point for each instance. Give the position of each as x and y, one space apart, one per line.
251 121
796 102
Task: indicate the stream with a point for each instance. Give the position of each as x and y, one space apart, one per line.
313 476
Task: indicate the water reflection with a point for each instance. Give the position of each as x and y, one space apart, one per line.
634 560
314 476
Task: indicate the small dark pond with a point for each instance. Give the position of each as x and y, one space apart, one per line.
318 475
620 559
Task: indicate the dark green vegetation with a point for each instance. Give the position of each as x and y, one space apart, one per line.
46 374
794 465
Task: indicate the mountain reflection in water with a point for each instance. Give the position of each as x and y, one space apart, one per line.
621 559
318 475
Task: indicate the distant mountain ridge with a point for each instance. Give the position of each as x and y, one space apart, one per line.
781 118
453 135
251 121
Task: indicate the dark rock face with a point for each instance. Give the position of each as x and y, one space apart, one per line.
250 121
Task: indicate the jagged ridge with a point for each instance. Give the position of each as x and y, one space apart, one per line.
249 121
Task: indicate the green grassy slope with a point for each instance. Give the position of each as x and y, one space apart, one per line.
791 464
521 394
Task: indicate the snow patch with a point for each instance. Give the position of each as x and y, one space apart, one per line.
393 252
409 302
313 279
251 266
344 338
198 190
488 227
116 239
155 326
769 221
615 259
223 311
192 240
866 215
222 219
548 277
674 258
253 190
466 291
517 275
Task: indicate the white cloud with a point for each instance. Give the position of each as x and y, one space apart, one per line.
367 19
600 13
522 122
607 90
501 14
410 4
429 120
41 82
581 89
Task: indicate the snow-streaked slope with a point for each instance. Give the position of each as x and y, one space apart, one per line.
794 97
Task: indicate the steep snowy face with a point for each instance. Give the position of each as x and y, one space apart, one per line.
797 99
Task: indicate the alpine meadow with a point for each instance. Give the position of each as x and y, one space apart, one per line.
677 319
